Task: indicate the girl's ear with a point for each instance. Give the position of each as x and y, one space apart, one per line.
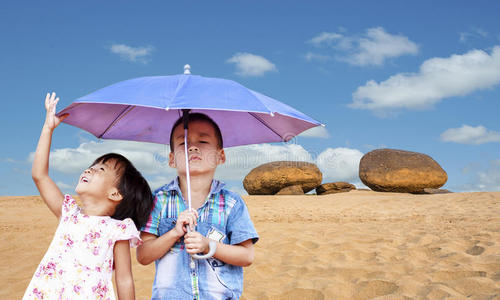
115 195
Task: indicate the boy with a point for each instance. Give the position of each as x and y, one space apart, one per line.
217 214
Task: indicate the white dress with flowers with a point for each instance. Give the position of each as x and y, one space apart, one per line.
79 261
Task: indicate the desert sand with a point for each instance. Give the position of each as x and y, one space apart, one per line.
356 245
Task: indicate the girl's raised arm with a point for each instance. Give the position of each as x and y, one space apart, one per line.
49 191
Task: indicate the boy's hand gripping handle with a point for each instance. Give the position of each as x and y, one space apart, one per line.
212 247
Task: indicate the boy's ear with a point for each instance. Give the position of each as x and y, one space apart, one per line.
222 157
171 160
115 195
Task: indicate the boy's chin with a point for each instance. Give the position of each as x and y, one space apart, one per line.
194 171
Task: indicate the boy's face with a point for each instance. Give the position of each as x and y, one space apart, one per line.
204 153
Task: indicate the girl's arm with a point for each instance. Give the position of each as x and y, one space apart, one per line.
49 191
123 271
241 254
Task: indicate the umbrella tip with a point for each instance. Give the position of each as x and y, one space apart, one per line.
187 69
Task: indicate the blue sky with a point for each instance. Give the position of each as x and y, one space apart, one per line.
420 76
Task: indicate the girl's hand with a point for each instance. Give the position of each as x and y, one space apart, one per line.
186 218
51 121
196 243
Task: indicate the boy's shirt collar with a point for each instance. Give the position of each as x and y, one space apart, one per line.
215 187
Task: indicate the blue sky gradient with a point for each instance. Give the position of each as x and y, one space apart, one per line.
421 76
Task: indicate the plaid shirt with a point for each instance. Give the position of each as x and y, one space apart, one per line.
223 217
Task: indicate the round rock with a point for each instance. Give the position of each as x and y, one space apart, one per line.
390 170
334 187
270 178
291 190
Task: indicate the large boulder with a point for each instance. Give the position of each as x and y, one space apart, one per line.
389 170
270 178
334 187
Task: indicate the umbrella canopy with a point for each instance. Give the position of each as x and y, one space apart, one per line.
145 109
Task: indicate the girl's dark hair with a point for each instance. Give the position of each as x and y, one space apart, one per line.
137 199
198 117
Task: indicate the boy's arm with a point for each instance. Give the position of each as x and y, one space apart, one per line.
241 254
123 271
240 250
154 247
49 191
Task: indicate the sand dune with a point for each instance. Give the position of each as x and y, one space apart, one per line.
356 245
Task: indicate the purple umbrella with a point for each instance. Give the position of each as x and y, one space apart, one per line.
144 109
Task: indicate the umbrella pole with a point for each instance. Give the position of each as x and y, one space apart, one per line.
185 114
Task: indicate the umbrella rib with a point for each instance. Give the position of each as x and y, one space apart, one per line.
260 120
122 114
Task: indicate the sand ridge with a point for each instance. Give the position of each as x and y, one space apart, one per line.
356 245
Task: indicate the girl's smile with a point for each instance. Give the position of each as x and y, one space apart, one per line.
97 179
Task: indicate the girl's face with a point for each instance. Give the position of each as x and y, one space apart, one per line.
99 180
204 153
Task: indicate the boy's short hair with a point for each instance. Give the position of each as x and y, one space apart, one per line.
197 117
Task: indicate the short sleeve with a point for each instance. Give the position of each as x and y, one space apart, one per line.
69 206
153 221
239 226
126 230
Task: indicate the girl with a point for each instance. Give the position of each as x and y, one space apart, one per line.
92 239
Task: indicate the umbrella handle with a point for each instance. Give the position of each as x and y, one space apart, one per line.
212 247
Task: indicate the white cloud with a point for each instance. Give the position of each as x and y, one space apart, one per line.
66 188
317 57
133 54
489 180
473 33
248 64
470 135
373 48
11 160
241 160
379 45
315 132
147 158
65 185
150 159
336 164
438 78
159 181
339 164
485 180
325 38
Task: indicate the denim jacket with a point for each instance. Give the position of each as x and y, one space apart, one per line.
223 217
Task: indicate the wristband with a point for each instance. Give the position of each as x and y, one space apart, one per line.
212 247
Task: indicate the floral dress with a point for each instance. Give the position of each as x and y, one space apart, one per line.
79 261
